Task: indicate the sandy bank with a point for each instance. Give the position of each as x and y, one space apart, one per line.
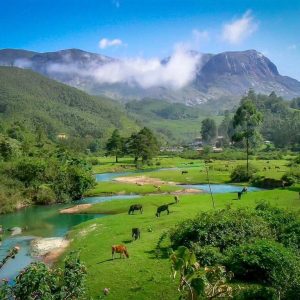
75 209
49 249
187 191
141 180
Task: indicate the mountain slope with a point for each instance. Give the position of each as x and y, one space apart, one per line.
221 77
38 101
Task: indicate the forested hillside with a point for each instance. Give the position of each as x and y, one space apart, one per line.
176 122
55 108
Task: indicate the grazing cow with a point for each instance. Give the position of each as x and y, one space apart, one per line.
163 208
158 187
240 195
176 198
119 249
184 172
135 233
277 167
134 207
245 190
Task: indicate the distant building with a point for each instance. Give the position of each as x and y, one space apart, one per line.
62 136
171 149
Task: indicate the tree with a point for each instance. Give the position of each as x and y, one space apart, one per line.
245 122
143 144
208 130
226 128
114 145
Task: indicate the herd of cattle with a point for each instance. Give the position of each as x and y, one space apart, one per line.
135 232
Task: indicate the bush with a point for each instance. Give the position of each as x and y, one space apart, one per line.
256 293
265 261
221 229
293 176
207 255
44 195
266 183
38 281
239 174
284 224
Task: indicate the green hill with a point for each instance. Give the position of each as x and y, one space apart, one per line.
37 102
176 122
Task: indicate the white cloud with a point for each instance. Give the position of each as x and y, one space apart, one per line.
104 43
179 70
238 30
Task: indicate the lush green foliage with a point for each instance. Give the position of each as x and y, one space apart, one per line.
208 130
266 262
142 144
38 281
259 246
241 174
55 108
196 282
115 144
245 123
221 229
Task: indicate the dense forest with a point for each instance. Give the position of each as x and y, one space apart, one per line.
56 108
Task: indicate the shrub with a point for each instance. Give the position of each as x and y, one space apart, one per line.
38 281
257 293
239 174
44 195
221 229
266 183
265 261
207 255
292 176
284 224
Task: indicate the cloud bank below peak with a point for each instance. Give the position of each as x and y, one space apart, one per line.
177 72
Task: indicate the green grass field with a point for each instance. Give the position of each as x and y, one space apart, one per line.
144 275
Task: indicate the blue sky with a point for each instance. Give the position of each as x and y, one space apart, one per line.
152 28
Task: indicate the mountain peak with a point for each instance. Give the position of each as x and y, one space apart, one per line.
225 75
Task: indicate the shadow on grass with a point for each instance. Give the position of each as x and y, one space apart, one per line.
159 253
127 241
106 260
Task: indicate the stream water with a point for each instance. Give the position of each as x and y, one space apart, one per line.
46 221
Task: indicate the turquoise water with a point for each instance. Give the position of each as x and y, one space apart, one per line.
46 221
219 188
40 221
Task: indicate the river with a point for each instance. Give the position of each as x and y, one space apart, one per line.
46 221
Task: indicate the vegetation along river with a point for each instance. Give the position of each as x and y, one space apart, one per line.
46 221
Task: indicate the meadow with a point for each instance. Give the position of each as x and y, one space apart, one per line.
147 272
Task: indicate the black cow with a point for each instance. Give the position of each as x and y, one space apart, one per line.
240 195
161 209
184 172
135 233
134 207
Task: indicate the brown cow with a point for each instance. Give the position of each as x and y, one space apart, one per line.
119 249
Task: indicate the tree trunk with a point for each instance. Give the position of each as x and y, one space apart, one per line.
247 151
116 158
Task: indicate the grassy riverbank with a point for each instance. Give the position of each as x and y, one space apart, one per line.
144 275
